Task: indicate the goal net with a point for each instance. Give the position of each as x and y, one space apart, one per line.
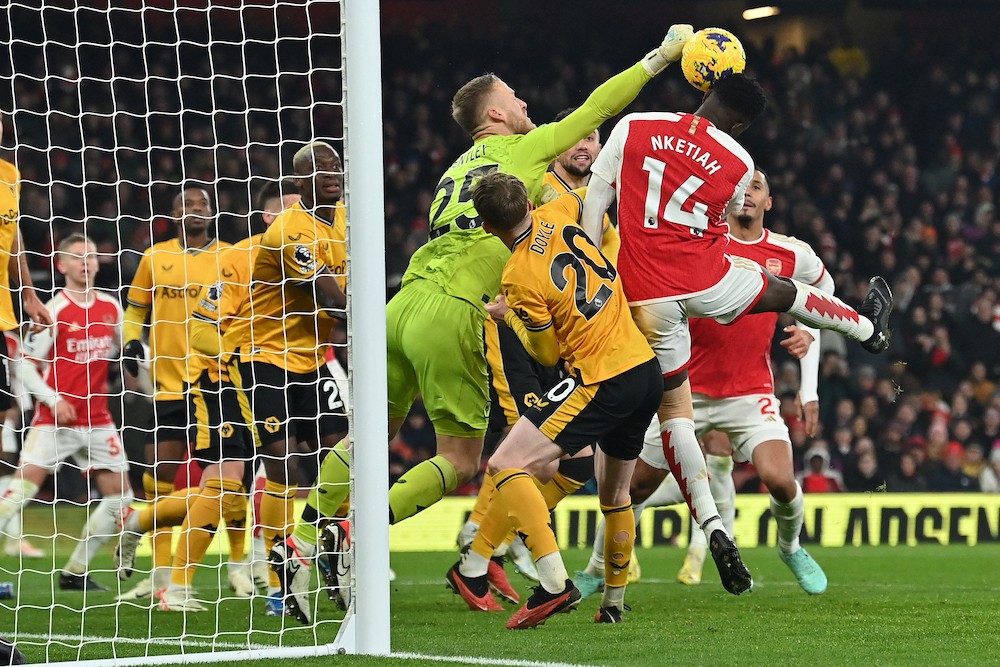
153 139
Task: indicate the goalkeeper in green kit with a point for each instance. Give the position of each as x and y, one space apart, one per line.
435 323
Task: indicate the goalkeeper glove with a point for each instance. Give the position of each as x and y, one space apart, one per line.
669 50
132 354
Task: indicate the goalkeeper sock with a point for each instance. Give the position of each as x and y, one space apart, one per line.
325 499
100 527
619 540
425 484
818 309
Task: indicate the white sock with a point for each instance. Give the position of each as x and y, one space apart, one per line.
614 596
552 572
687 463
258 550
8 438
720 480
788 516
825 311
473 565
161 577
101 527
19 491
467 534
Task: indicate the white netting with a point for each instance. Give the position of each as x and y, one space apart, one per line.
109 113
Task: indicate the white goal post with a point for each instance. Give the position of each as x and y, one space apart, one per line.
240 87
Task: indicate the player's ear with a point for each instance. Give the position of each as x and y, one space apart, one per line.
768 203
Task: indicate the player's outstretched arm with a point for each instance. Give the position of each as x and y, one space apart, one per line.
600 195
608 99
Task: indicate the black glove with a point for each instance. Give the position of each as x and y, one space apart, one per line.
132 354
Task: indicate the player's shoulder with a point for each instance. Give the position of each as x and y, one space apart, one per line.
789 242
567 207
9 173
729 143
107 298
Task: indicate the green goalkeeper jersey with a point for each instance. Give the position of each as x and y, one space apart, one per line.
462 258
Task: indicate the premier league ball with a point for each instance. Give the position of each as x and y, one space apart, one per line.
713 53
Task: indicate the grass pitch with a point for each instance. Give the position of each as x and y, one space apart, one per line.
927 605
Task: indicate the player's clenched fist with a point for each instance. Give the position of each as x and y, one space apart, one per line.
670 48
132 354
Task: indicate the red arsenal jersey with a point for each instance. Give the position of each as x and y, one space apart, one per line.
78 350
677 177
735 360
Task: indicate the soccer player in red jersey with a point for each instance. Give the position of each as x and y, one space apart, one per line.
72 416
733 392
677 177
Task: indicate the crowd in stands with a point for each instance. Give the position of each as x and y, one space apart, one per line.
884 163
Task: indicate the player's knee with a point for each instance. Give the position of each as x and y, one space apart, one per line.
780 485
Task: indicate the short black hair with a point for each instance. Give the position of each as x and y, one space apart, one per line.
742 95
275 190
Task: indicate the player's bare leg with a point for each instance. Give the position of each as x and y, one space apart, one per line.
773 461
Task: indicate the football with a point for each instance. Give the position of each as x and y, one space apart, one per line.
713 53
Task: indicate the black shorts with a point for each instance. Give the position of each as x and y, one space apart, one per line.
171 420
516 379
221 432
6 398
300 406
614 413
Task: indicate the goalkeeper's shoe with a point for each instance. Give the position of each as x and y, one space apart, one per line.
542 605
141 591
694 563
241 580
275 605
336 549
295 575
474 590
809 574
70 581
588 583
178 598
734 574
499 583
876 307
524 562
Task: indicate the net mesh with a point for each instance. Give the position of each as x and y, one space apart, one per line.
109 113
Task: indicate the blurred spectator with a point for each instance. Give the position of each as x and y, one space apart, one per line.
949 476
989 478
819 477
907 479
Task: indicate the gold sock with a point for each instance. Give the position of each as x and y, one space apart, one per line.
619 540
197 531
482 501
527 511
234 512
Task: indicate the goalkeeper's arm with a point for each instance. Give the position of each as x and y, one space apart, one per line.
608 100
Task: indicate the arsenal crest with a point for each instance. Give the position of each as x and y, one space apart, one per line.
773 264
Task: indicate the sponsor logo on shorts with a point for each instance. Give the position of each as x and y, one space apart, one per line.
226 430
271 425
